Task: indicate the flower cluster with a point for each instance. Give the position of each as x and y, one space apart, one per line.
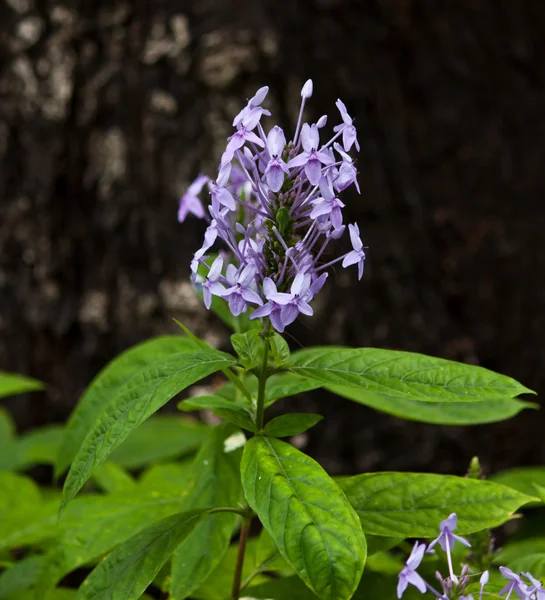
454 586
275 207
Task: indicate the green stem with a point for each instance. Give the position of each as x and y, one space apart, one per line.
237 383
244 531
262 383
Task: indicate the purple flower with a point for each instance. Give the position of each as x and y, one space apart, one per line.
189 202
294 302
409 575
515 584
447 539
537 587
347 172
254 105
271 309
211 286
328 204
357 255
220 194
243 134
311 158
240 294
275 223
348 129
276 167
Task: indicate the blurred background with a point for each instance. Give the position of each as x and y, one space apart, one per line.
108 110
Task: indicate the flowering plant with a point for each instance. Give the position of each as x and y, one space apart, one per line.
250 515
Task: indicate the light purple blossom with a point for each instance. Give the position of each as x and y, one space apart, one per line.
328 204
275 210
189 202
311 158
243 134
240 292
211 286
348 173
294 303
348 130
254 107
536 590
276 167
408 574
357 256
447 539
271 309
515 584
220 194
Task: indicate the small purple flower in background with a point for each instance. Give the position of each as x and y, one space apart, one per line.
275 209
515 584
189 202
409 575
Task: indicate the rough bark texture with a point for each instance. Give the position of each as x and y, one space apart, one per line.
109 108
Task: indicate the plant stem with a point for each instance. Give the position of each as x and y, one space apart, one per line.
244 531
260 410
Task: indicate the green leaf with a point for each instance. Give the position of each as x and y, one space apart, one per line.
314 527
513 551
287 588
438 413
249 347
226 409
531 563
279 349
20 577
413 504
167 476
161 437
113 478
267 557
377 544
24 516
291 424
216 477
107 383
134 402
11 384
523 479
94 525
404 375
128 570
